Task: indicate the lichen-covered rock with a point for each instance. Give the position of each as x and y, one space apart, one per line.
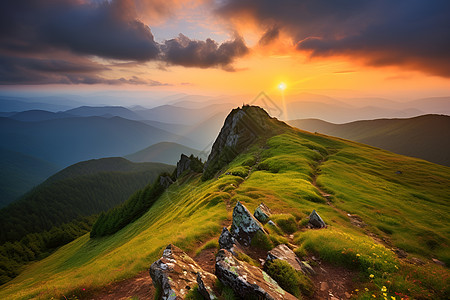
226 240
244 226
165 181
204 286
262 213
183 164
247 280
316 221
175 273
283 252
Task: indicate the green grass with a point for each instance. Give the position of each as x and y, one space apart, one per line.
292 281
410 210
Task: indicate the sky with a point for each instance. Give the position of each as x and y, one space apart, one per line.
384 48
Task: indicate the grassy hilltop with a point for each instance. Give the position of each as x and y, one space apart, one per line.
395 202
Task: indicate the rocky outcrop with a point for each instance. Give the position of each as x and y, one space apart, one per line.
316 221
262 213
283 252
244 226
226 240
204 286
183 164
241 128
165 181
247 280
175 273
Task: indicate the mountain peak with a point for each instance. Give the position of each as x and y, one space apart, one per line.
243 126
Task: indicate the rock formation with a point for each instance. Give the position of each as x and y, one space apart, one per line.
175 273
165 181
283 252
183 164
226 240
241 128
247 280
262 213
244 226
316 221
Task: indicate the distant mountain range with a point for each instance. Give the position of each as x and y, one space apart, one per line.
69 140
426 137
165 152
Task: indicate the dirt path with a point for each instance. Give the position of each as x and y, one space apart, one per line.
140 287
332 282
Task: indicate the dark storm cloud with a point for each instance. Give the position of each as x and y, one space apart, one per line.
410 33
105 29
203 54
270 35
17 70
32 30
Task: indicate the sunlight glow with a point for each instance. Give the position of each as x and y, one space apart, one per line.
282 86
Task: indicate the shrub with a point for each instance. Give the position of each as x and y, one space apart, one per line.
261 241
286 223
289 279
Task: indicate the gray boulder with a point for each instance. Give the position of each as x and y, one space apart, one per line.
283 252
244 226
316 221
262 213
247 280
226 240
175 273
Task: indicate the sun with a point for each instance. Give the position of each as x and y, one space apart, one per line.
282 86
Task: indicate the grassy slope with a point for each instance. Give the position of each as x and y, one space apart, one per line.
413 206
424 136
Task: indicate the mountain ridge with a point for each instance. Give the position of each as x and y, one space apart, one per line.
420 136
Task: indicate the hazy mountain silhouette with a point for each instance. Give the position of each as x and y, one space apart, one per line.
426 137
37 115
70 140
106 111
164 152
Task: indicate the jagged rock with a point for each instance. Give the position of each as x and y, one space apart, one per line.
226 240
183 164
284 253
176 273
241 128
165 181
262 213
244 226
315 220
204 286
247 280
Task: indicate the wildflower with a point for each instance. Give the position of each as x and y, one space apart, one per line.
383 289
374 296
356 290
358 255
366 289
372 276
396 267
385 294
392 298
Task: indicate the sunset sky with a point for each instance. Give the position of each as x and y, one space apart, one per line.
385 48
